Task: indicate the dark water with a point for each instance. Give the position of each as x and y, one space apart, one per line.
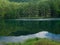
19 27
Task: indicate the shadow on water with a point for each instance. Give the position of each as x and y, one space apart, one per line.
17 27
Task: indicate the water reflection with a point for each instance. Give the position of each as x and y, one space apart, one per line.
19 30
19 27
42 34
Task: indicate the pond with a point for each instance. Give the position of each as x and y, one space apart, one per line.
18 30
17 27
22 38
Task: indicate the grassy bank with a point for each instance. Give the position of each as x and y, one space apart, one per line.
36 41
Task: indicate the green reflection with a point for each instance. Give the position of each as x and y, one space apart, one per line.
16 28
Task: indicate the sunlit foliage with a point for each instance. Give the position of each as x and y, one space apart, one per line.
37 8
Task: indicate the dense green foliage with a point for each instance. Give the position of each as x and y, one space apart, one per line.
34 8
36 42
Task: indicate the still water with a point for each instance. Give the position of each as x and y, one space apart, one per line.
12 30
17 27
42 34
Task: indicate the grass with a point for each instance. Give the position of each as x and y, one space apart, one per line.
36 41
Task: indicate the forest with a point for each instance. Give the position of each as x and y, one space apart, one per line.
16 9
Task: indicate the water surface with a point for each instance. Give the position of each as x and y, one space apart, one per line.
22 38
